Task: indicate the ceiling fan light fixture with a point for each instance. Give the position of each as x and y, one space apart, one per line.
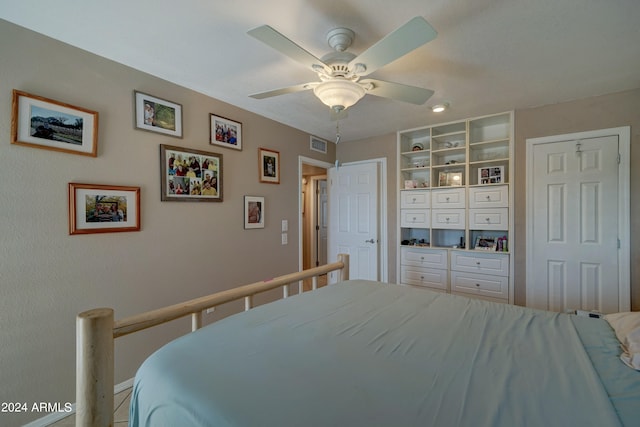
339 94
439 108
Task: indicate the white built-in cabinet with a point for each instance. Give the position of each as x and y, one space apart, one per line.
455 207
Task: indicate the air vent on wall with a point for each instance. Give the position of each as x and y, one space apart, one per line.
317 144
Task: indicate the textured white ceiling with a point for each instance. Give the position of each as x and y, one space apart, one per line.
489 56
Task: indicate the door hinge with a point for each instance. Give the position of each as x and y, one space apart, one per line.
619 158
618 243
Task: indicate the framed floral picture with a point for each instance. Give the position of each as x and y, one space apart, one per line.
253 212
40 122
269 166
97 208
157 115
225 132
190 175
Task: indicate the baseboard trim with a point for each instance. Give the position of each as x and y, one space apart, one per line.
54 417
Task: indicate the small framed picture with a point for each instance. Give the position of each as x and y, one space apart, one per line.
491 175
103 208
450 179
485 243
44 123
190 175
157 115
225 132
253 212
269 166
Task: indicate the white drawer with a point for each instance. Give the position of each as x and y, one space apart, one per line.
415 199
489 197
415 218
448 198
430 258
489 219
480 284
429 277
448 218
478 262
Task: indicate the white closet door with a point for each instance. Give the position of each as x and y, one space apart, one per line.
574 259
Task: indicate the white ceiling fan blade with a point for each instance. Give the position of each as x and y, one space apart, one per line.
397 91
284 90
396 44
282 44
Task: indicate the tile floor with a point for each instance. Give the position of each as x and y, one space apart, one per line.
120 416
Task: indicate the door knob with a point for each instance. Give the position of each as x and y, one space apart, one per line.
370 241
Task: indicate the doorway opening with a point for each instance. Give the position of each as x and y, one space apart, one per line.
312 179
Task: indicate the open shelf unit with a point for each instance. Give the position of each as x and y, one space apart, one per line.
455 201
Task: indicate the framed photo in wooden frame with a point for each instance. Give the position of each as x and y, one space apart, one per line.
189 175
225 132
95 208
269 166
253 212
40 122
157 115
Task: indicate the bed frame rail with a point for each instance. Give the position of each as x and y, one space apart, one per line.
96 331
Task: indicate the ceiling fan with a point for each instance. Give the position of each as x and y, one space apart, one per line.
340 72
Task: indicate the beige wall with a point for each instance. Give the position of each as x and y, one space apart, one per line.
184 250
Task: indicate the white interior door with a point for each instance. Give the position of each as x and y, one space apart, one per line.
353 218
573 228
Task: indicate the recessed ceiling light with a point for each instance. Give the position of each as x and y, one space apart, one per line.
439 108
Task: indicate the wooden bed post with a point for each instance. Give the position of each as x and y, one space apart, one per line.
94 368
344 271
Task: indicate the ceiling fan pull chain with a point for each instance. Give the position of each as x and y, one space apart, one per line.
337 132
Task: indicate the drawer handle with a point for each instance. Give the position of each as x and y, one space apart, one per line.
478 284
447 199
414 219
477 262
447 220
488 198
414 200
421 278
488 220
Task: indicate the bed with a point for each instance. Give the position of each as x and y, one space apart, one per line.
362 353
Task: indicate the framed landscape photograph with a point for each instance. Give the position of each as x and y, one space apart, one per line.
491 175
269 166
157 115
253 212
52 125
190 175
97 208
225 132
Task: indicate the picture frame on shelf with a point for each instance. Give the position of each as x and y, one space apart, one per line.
269 166
225 132
253 212
41 122
189 175
450 179
157 115
96 208
491 175
485 243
